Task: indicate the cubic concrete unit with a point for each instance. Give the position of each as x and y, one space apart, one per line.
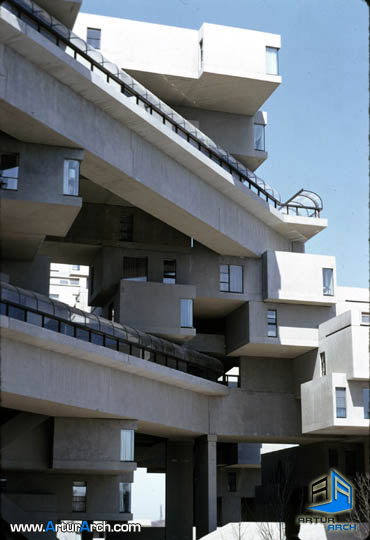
208 329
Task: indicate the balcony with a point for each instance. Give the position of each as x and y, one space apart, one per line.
298 278
320 412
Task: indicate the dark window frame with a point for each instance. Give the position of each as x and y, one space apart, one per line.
138 267
126 228
94 41
14 177
272 325
338 408
228 280
169 276
323 370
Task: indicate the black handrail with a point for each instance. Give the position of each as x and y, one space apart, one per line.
98 338
59 39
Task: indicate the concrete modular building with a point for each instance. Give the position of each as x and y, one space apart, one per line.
197 269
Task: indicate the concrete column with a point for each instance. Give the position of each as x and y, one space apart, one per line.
205 484
179 491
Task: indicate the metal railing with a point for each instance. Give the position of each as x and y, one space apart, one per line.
96 337
56 32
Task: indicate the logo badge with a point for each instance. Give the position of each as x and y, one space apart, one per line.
338 492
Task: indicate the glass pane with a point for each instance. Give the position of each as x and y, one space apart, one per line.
9 171
127 445
71 177
124 497
111 343
259 137
93 37
3 308
366 400
51 324
135 268
124 347
34 318
327 277
81 333
97 339
16 313
271 316
186 313
67 329
272 61
365 318
271 330
236 278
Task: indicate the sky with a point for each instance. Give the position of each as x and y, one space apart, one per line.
317 133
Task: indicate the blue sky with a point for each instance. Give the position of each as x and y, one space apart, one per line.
318 119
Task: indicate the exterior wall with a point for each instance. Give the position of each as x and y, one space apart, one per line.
31 275
39 199
90 445
149 50
344 340
319 406
54 499
296 278
73 294
155 307
297 329
234 132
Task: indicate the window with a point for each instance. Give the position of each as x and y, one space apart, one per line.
135 268
366 400
9 171
272 323
272 60
127 445
74 281
365 318
259 137
63 281
124 497
327 282
322 364
231 481
201 53
54 296
71 177
340 398
79 496
231 278
169 271
94 37
75 266
186 313
126 229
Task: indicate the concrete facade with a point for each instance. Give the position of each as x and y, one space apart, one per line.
184 251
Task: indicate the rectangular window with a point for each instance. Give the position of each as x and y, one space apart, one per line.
322 364
79 496
127 445
272 61
75 266
186 313
94 37
231 278
135 268
54 296
327 282
125 497
74 281
365 318
340 398
9 171
201 53
272 323
126 230
231 481
169 271
71 177
259 137
366 400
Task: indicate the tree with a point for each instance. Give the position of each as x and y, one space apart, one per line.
361 511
